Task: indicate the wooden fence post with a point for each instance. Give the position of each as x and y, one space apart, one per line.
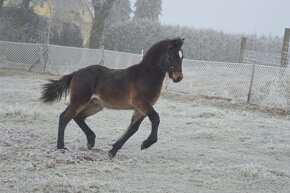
242 50
285 48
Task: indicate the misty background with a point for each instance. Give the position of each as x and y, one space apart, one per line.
261 17
213 29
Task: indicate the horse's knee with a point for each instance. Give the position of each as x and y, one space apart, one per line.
67 115
79 118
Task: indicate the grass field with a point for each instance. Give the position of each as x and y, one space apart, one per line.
205 145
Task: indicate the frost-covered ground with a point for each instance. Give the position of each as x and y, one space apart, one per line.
205 145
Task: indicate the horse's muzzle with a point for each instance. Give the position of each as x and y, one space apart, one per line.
177 76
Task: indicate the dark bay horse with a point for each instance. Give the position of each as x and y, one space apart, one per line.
137 87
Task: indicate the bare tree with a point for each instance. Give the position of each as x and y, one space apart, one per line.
101 10
25 4
120 12
149 9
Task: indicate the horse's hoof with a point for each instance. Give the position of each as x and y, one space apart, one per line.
143 147
62 150
112 153
147 143
90 146
91 141
111 156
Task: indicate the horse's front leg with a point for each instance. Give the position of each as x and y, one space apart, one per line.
155 120
146 108
136 120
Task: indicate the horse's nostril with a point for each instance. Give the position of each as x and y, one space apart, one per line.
179 79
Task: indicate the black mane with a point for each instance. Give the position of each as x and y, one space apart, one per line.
155 54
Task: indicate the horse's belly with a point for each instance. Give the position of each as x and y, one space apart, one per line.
113 102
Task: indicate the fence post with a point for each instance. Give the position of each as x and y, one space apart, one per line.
142 54
102 62
251 83
48 36
285 48
242 49
45 55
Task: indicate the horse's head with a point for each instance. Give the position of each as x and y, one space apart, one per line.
173 59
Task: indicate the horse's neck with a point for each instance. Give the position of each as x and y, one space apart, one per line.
154 73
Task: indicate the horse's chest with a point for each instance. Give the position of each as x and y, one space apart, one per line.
152 97
155 98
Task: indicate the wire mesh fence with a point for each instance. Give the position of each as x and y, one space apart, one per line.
63 60
20 55
215 79
271 87
262 58
118 60
262 85
60 59
267 58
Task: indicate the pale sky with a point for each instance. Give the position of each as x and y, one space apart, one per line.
261 17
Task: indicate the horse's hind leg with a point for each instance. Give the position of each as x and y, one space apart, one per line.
136 120
64 118
90 110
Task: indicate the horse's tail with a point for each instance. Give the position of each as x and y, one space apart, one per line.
55 89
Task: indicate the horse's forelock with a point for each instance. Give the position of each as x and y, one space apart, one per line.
177 42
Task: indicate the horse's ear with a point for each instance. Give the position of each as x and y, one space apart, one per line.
182 41
178 42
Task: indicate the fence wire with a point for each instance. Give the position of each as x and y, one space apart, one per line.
268 59
271 87
263 85
20 55
64 60
215 79
262 58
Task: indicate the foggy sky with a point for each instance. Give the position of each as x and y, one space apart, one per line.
261 17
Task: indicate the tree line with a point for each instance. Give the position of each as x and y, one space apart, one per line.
116 26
